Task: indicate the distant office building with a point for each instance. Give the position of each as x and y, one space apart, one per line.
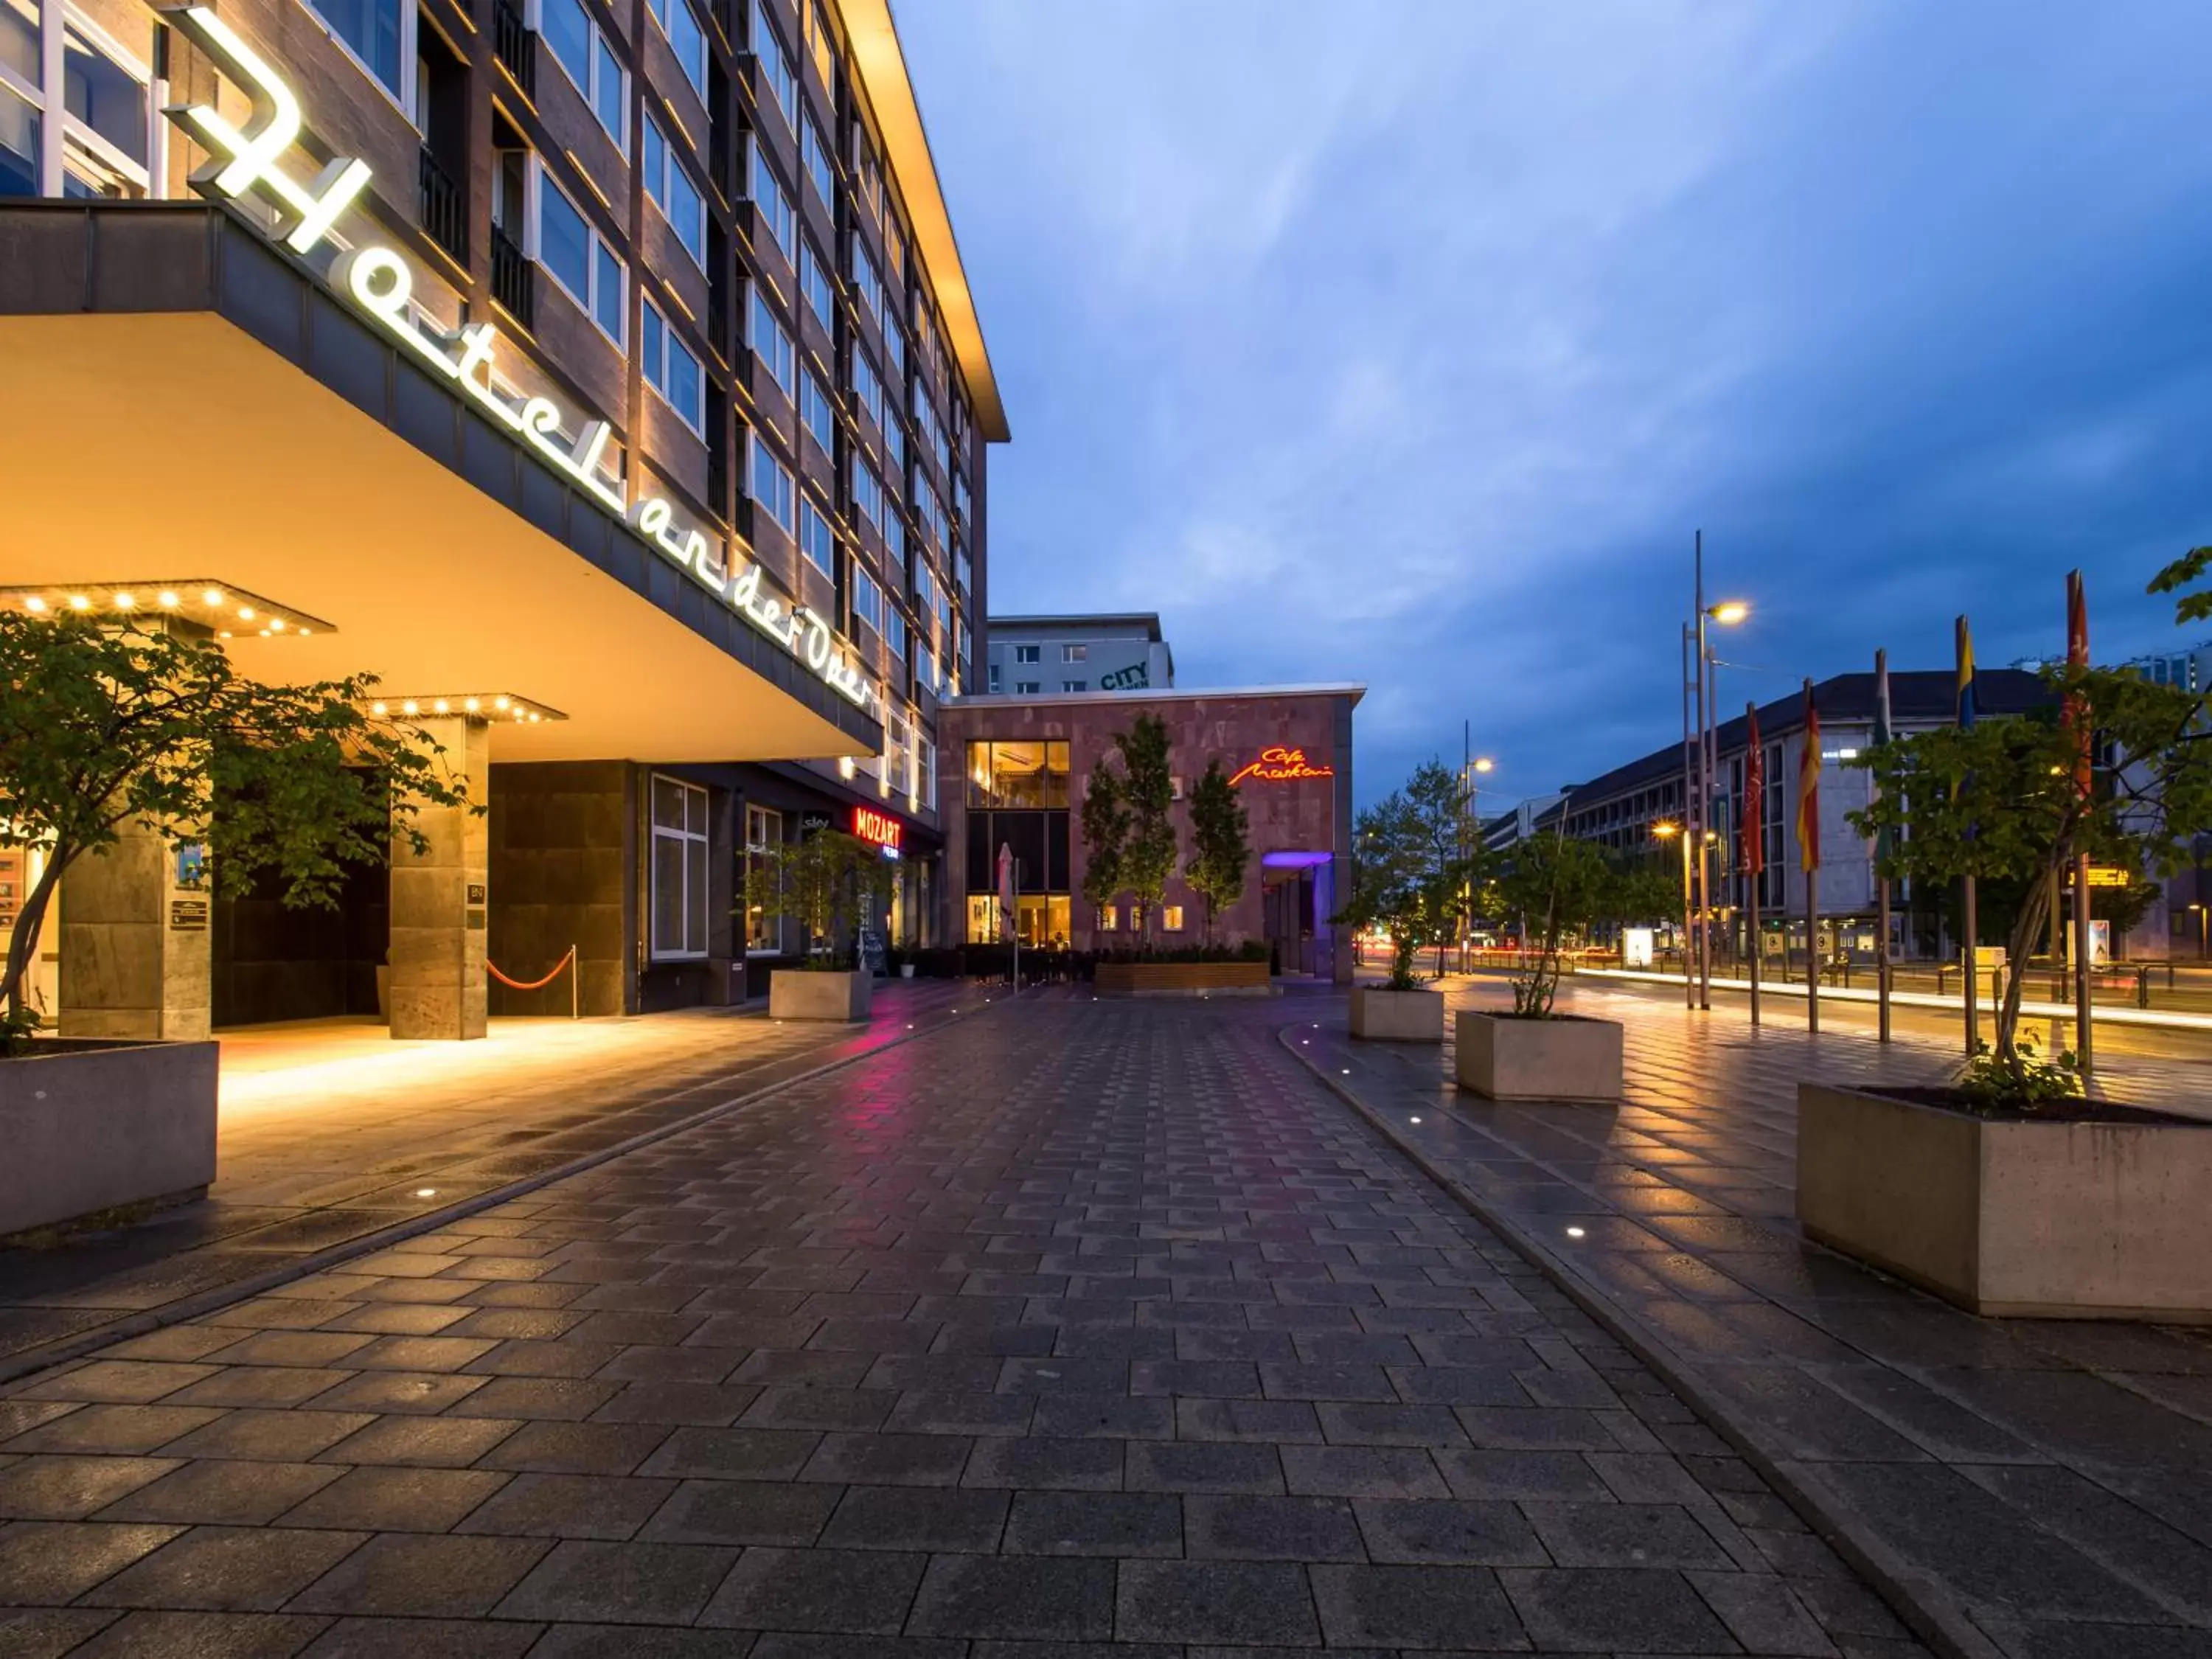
1052 656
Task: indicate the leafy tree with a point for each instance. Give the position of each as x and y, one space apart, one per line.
2000 802
1148 855
1105 837
1555 886
101 725
821 881
2191 567
1408 873
1220 850
1642 889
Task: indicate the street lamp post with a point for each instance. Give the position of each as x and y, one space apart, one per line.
1471 767
1706 691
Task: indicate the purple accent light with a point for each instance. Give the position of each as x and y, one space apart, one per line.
1293 860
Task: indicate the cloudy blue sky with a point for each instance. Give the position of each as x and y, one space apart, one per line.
1408 343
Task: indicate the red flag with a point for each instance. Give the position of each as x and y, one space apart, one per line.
1754 798
1808 785
2079 720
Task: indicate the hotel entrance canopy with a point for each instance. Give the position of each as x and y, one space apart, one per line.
183 400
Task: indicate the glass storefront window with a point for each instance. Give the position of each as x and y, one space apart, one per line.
1032 774
763 835
679 870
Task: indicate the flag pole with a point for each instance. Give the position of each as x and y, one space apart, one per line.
1808 852
1689 835
1882 968
1969 922
1755 840
2077 658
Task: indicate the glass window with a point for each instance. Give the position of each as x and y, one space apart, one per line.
925 589
819 43
895 542
816 284
670 368
607 290
772 486
1075 685
867 491
774 205
1026 688
867 388
371 28
19 144
668 182
1017 775
1074 652
20 52
775 68
894 445
894 631
1026 652
103 95
816 156
681 25
1171 918
894 349
763 835
865 281
585 56
679 870
569 248
814 411
867 600
816 540
772 345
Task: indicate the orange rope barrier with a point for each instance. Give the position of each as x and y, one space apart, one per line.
535 985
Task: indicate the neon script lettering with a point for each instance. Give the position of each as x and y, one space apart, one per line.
1280 766
379 283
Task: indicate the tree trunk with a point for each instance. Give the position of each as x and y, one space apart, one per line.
2025 926
28 921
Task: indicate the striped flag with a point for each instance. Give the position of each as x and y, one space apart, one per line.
2079 722
1754 798
1808 785
1965 647
1883 732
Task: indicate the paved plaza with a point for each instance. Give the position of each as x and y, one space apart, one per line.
1069 1326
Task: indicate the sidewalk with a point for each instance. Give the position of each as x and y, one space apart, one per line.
330 1136
2036 1489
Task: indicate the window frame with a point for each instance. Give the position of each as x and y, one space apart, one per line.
403 95
59 126
659 189
812 518
686 837
872 612
758 454
763 834
601 50
783 220
784 368
541 180
695 419
785 90
815 273
814 398
660 9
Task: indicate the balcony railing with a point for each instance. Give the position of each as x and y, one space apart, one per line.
445 209
514 279
515 45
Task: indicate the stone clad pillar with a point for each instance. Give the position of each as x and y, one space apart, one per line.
440 900
135 942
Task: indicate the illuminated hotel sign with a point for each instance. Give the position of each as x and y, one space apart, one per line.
1280 766
380 284
879 828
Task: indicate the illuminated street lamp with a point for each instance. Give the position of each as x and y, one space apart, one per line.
1699 762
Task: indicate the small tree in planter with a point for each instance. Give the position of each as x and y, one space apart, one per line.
2000 801
1220 850
1105 837
1558 887
1410 877
101 725
823 881
1148 855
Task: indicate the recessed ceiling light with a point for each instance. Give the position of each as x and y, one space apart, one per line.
34 604
78 602
211 596
126 601
167 599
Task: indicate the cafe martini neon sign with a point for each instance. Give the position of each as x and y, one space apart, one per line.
379 283
1280 766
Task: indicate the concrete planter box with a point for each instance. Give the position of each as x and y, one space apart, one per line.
1385 1015
100 1126
799 993
1183 979
2054 1220
1563 1058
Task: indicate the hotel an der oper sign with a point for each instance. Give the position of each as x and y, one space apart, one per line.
378 280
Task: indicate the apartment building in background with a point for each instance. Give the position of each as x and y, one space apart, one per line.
1054 656
603 377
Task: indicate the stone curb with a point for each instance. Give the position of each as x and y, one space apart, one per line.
1926 1608
31 1361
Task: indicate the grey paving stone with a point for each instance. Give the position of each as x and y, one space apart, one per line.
535 1399
108 1430
817 1407
61 1487
1015 1598
1216 1601
422 1393
1203 1466
1354 1423
931 1412
620 1582
227 1569
569 1506
654 1642
732 1454
222 1491
397 1499
1624 1536
741 1512
174 1635
46 1563
1514 1474
49 1632
1447 1532
1107 1416
1268 1528
1278 1422
888 1460
704 1403
852 1592
1410 1606
451 1443
1095 1523
1361 1472
1763 1614
1613 1611
259 1385
576 1448
917 1518
421 1638
423 1576
1059 1465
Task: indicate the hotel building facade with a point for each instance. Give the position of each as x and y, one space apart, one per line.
603 377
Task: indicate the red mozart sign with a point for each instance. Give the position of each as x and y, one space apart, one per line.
881 828
1281 766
